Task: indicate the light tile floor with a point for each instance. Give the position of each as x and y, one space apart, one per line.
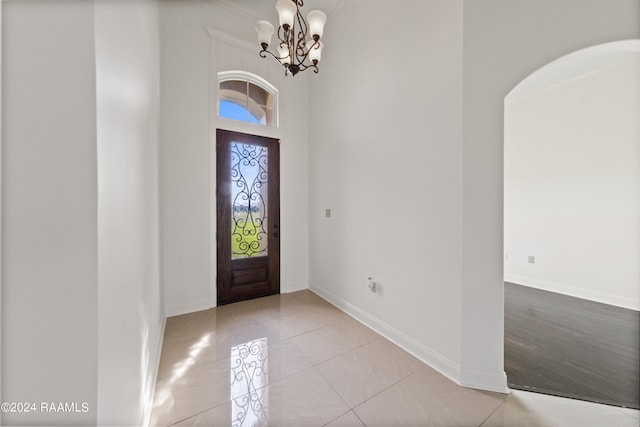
295 360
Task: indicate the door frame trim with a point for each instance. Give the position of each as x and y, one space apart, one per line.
213 206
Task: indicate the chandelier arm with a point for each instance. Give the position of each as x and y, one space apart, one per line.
305 55
305 66
288 46
298 39
304 28
283 35
301 55
263 54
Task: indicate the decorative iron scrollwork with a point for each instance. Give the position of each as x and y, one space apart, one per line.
249 206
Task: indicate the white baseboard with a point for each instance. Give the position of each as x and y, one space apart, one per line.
289 290
177 310
192 307
602 297
490 381
432 358
154 380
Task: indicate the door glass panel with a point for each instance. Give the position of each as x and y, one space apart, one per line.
248 200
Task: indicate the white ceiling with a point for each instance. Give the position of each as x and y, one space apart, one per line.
266 9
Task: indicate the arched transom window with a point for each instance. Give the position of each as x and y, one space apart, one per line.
248 98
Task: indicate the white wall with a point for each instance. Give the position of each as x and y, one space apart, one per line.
386 158
130 318
49 209
504 41
1 275
190 59
82 318
457 327
572 186
353 164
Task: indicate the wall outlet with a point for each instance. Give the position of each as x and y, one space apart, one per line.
327 213
371 284
531 259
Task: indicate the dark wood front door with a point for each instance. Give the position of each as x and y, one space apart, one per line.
248 216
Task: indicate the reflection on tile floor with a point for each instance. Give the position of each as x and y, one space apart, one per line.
295 360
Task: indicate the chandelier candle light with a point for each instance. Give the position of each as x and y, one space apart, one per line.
295 52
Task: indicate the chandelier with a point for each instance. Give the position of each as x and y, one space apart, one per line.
295 51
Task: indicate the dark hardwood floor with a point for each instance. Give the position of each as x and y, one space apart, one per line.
570 347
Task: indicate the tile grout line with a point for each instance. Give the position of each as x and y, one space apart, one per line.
492 412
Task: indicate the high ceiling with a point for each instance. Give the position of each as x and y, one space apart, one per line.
266 9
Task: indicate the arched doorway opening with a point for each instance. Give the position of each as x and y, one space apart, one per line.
572 235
